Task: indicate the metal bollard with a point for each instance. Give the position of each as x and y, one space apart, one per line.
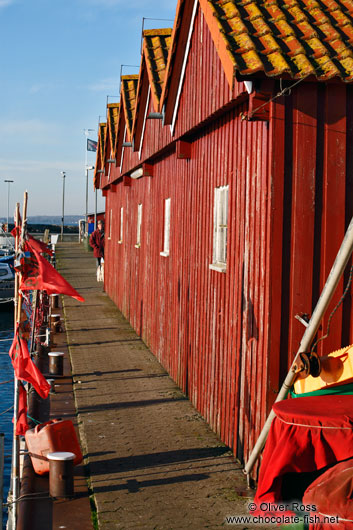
54 301
55 322
56 362
52 386
61 474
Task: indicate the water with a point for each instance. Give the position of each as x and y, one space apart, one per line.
6 392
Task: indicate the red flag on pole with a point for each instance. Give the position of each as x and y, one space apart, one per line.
39 246
22 423
40 274
25 368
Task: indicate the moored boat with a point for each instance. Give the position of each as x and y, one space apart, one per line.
7 274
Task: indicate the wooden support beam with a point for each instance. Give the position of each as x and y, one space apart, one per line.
183 149
147 170
259 106
126 181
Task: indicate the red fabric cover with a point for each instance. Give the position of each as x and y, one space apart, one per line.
97 243
25 368
308 434
41 275
332 494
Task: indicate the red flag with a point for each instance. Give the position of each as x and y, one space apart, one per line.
39 246
41 275
22 424
25 368
16 231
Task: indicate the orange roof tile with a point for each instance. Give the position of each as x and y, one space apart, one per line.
128 96
100 155
156 43
102 135
294 37
113 117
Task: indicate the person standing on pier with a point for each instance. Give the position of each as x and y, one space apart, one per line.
97 243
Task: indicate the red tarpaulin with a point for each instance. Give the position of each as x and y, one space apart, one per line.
332 494
307 434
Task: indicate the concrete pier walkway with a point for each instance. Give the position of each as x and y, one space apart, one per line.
152 461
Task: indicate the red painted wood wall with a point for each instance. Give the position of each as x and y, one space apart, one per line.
227 338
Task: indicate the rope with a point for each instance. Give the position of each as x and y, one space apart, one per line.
7 410
334 311
4 382
279 94
288 89
315 426
6 300
33 419
30 497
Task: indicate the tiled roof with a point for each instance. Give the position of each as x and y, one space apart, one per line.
113 117
102 134
128 95
294 37
156 43
100 155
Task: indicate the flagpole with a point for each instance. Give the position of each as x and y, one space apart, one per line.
15 440
86 131
18 306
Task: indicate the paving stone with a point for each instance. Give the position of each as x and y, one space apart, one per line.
153 462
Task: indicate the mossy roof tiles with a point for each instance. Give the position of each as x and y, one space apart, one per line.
113 117
156 43
102 134
284 37
128 95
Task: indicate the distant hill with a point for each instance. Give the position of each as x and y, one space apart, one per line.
69 220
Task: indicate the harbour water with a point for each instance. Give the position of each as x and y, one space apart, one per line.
6 393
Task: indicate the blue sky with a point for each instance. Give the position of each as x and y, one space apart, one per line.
58 63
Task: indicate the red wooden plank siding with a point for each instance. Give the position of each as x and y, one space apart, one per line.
303 209
333 220
227 338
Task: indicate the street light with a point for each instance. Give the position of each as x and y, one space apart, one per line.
86 216
8 200
87 168
62 217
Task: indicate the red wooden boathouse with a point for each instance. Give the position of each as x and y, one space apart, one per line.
227 170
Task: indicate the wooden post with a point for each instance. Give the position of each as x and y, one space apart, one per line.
15 473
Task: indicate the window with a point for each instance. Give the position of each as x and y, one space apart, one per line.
139 221
121 226
110 224
165 251
220 229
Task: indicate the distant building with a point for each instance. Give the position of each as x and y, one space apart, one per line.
90 220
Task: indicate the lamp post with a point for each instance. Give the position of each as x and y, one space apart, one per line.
87 168
86 216
63 208
8 200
